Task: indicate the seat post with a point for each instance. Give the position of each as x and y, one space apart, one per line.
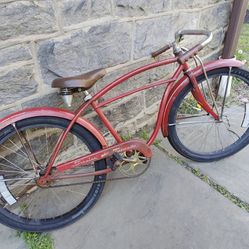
67 96
88 96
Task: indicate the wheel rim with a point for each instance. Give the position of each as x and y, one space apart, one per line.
18 174
200 133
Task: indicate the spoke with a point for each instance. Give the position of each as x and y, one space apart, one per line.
17 167
203 143
57 196
26 207
22 184
30 148
16 179
17 153
26 190
8 166
50 153
218 131
20 138
192 141
12 171
19 148
189 135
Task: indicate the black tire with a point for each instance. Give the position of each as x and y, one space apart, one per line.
10 217
177 136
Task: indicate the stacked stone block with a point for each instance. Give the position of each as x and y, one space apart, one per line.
70 37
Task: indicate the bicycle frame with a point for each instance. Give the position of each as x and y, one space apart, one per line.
173 86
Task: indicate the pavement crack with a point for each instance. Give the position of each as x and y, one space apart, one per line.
205 178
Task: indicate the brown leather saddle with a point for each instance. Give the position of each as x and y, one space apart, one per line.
84 81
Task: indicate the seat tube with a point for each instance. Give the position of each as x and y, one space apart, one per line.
106 122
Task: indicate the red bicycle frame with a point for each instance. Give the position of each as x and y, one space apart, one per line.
173 87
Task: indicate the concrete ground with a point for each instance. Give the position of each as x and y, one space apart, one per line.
231 173
167 207
9 239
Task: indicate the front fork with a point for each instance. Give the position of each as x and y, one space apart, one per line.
200 97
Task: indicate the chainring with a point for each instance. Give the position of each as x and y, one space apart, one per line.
133 164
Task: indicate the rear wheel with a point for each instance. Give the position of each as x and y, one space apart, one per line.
28 145
195 134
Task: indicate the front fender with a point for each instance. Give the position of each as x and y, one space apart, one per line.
184 81
51 112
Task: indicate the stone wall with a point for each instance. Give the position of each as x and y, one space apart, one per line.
70 37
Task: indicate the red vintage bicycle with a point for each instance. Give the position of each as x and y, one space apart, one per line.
54 163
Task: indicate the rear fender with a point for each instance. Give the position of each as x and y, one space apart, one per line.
184 81
51 112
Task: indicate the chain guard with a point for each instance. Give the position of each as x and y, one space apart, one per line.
119 166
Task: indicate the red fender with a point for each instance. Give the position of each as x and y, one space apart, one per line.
184 81
52 112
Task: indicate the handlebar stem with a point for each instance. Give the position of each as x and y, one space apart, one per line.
176 49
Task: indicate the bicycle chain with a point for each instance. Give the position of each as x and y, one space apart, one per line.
93 182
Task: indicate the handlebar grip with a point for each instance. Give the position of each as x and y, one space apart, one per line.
161 50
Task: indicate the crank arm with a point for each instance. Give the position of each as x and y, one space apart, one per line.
105 153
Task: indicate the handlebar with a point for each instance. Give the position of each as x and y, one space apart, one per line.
193 51
179 35
161 50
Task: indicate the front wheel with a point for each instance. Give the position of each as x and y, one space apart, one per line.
195 134
28 144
